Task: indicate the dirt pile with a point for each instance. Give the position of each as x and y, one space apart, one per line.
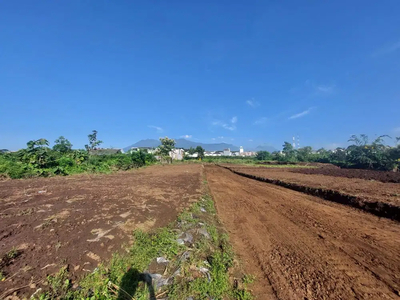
382 176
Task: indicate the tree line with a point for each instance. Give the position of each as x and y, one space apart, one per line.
38 159
361 154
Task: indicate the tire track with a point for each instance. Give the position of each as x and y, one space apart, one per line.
302 247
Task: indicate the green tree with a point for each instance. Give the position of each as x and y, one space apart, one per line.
62 145
37 154
93 141
289 151
192 150
338 156
364 155
200 152
305 154
167 145
263 155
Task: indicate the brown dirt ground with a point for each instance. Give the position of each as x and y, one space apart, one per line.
382 176
81 220
372 191
303 247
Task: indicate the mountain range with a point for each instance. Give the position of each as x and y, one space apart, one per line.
185 144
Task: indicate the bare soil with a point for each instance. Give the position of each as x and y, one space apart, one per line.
370 195
82 220
382 176
302 247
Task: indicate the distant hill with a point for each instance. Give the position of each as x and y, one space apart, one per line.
185 144
265 147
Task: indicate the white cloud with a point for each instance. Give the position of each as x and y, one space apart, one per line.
387 49
213 139
302 114
252 103
186 136
260 121
229 126
396 130
250 140
159 129
221 137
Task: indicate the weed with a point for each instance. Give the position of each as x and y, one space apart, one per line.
58 246
25 212
2 276
248 279
242 295
13 253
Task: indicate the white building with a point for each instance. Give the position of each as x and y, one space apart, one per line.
241 150
145 149
227 152
177 154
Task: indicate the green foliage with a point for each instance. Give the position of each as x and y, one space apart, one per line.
93 141
360 154
263 155
200 151
40 160
166 146
289 152
62 145
192 150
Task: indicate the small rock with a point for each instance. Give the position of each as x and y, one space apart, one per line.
162 260
204 232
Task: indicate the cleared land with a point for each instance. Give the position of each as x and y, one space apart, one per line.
382 176
303 247
78 221
382 199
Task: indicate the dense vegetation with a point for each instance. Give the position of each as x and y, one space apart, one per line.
360 154
38 159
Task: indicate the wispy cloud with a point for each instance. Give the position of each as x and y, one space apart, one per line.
252 103
327 89
159 129
186 136
302 114
387 49
312 89
260 121
229 126
250 140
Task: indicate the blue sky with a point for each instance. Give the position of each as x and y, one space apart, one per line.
240 72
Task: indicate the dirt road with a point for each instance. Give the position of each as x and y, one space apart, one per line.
303 247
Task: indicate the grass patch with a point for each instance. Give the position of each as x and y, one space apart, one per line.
190 258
